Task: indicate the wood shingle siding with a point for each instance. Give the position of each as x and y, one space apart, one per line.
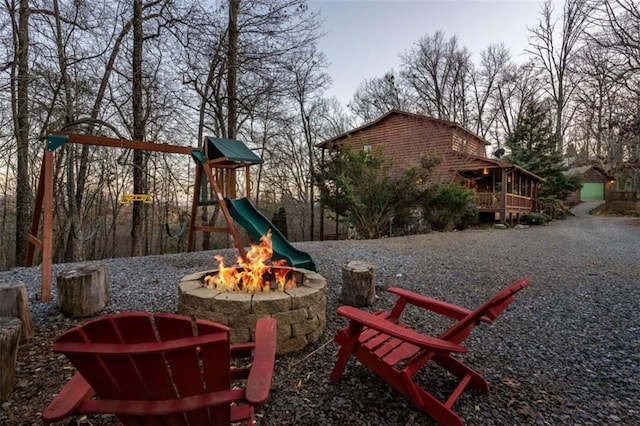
405 137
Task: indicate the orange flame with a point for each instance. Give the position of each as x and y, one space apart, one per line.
249 276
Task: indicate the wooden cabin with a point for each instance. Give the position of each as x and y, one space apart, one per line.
504 190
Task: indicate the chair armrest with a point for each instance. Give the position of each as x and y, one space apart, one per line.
434 305
162 407
406 334
70 397
259 380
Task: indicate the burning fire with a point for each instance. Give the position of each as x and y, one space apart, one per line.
252 275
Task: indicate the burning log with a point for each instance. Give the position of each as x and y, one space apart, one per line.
9 337
255 273
83 291
15 303
358 286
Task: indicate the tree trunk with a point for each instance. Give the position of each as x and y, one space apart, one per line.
139 166
232 73
21 130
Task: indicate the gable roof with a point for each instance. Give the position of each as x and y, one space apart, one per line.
491 163
450 124
230 150
579 171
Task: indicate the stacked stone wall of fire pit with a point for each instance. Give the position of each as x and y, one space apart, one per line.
301 312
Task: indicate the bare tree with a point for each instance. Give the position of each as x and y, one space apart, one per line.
308 69
495 63
554 52
19 13
335 120
75 188
138 133
376 96
598 98
617 22
517 88
232 72
620 20
437 70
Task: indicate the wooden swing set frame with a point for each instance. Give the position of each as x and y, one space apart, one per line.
43 207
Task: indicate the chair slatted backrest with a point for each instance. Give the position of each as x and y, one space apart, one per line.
139 356
490 310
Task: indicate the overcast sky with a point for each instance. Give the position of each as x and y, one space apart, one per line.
365 37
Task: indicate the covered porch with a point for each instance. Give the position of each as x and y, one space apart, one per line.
504 191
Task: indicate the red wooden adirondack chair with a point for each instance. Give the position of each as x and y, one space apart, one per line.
163 369
396 353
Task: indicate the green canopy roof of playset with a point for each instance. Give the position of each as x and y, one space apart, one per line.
231 150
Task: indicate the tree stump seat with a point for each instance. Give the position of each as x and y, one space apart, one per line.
15 303
10 328
83 291
358 283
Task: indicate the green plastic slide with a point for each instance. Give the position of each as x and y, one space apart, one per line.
254 222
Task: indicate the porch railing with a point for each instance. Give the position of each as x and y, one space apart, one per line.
488 200
491 200
519 202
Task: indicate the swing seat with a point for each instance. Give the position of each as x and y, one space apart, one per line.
130 198
396 353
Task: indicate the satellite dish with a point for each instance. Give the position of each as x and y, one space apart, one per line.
499 153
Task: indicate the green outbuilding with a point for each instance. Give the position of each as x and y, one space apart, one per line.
596 184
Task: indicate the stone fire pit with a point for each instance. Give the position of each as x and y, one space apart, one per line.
301 312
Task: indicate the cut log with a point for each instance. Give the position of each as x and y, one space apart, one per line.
9 338
358 283
15 303
83 291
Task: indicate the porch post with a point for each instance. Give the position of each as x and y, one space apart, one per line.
503 197
321 203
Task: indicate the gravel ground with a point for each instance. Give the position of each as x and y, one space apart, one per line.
567 351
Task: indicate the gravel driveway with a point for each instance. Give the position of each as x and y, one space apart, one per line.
567 351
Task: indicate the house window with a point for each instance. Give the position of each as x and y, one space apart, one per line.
366 149
460 144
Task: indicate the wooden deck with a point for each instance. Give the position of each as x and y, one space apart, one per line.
507 206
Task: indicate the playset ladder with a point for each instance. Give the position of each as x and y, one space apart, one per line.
207 167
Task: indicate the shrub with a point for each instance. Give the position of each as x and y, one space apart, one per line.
447 207
360 186
469 216
533 218
553 207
